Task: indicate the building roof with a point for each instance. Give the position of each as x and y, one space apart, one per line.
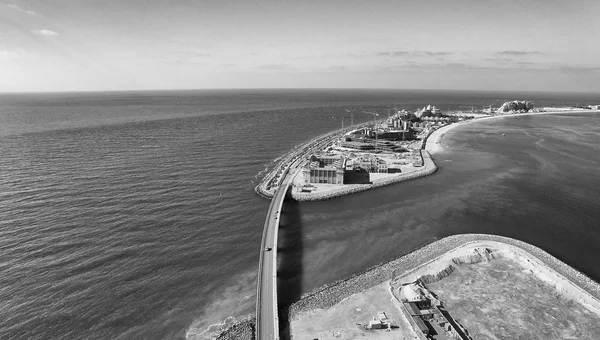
421 324
412 308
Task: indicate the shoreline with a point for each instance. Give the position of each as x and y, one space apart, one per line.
434 140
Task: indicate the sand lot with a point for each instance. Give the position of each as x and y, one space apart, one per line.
340 321
502 299
509 295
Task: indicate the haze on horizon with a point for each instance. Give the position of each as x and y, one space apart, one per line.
75 45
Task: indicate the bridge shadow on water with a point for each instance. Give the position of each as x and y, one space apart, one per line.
290 271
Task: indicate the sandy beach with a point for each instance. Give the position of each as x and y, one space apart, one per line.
433 143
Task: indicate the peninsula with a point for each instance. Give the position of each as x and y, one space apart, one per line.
362 157
380 153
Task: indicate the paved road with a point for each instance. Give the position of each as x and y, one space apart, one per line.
267 320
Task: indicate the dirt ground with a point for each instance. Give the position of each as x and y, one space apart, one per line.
502 299
341 321
513 297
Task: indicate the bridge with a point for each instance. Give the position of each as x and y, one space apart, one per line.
267 318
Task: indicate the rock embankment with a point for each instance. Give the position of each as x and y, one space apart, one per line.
428 168
431 278
332 294
242 330
479 255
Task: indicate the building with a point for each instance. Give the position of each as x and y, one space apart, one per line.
371 164
431 319
356 175
379 322
325 168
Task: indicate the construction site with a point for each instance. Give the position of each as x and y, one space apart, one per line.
376 151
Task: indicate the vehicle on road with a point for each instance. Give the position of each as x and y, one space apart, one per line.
268 248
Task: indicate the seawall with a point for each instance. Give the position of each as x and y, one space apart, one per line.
331 294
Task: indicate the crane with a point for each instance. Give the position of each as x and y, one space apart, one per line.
351 117
341 118
374 115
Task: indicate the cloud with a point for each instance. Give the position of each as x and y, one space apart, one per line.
275 67
185 57
516 53
412 54
17 8
435 54
503 60
47 33
449 67
579 70
13 54
393 54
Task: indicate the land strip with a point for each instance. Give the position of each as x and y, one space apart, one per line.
329 295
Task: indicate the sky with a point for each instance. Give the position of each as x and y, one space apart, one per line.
108 45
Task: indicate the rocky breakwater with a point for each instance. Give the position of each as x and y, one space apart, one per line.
329 295
479 255
428 168
242 330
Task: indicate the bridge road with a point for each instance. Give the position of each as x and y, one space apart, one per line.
267 319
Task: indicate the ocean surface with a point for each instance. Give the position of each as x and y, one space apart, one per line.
132 215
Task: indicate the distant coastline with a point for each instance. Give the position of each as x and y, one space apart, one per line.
434 140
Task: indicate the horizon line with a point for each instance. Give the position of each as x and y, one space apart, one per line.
292 88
